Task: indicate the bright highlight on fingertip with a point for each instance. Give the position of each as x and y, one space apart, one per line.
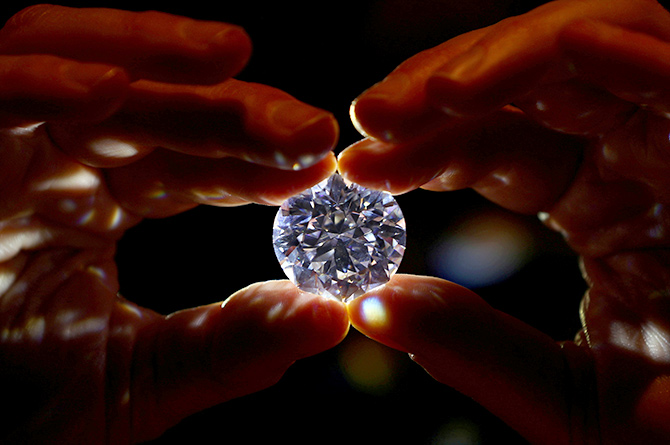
357 125
373 312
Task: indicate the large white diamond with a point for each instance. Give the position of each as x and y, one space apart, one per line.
339 239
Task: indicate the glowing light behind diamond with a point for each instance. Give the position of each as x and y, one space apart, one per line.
484 250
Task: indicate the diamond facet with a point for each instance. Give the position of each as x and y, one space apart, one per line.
339 239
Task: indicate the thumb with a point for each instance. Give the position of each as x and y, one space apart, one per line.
204 356
516 372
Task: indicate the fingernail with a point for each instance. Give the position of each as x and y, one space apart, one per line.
231 36
89 76
394 85
234 41
211 33
294 116
312 133
463 66
302 161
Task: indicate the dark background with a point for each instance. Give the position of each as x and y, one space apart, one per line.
326 53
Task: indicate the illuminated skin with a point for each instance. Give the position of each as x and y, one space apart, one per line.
89 366
585 145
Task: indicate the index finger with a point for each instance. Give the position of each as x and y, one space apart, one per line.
484 70
513 370
521 53
150 45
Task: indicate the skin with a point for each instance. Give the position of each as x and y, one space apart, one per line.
91 366
562 112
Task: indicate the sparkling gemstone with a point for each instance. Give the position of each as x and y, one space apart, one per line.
339 239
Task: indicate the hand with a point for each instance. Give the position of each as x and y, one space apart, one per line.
563 112
149 94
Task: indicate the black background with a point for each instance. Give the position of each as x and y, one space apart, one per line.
326 53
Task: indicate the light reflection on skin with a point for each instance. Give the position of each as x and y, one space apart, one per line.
7 278
13 241
116 218
648 337
275 312
83 327
657 210
98 272
78 180
214 197
87 218
282 311
33 330
374 313
199 321
131 309
27 130
68 328
112 148
159 192
502 178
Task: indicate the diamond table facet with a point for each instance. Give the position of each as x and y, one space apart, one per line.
339 239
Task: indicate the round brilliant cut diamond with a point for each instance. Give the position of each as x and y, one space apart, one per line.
339 239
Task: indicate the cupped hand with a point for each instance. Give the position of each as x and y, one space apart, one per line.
108 117
563 112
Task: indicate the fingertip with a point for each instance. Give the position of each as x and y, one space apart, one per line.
293 135
372 316
356 163
378 110
355 120
308 323
407 312
383 166
207 355
312 135
232 45
396 110
277 192
461 341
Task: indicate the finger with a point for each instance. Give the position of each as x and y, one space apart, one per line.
615 77
519 54
249 121
165 182
149 45
508 367
204 356
626 322
633 66
397 108
505 157
56 192
44 88
483 70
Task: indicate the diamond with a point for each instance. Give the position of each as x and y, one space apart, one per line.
339 239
